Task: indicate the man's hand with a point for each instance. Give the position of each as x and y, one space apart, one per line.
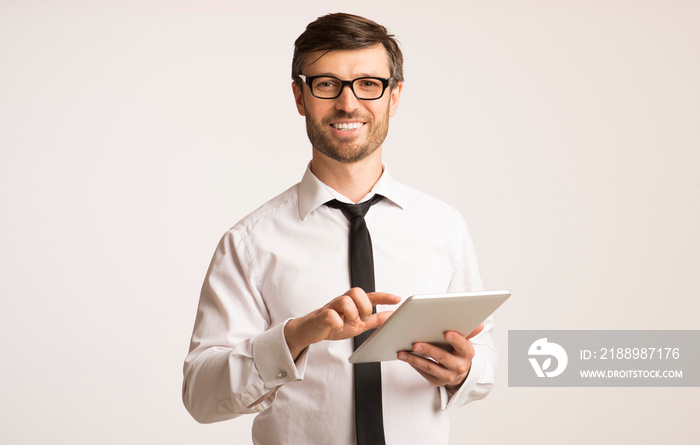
344 317
448 367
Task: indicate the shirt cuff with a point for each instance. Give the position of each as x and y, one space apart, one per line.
478 384
273 359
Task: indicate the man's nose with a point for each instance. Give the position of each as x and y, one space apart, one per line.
347 101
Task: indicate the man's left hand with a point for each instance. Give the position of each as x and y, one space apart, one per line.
448 367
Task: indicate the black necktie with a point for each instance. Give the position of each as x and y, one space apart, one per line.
369 423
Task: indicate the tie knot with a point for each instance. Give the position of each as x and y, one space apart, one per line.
353 211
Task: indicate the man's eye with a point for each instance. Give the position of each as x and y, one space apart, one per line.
325 84
369 84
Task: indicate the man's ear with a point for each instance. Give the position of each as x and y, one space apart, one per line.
298 98
394 100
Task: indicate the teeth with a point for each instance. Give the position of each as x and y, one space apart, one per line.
347 126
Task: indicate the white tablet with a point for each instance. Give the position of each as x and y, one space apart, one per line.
426 318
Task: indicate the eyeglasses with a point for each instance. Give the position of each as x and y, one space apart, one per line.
329 87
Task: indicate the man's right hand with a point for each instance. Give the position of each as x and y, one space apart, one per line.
344 317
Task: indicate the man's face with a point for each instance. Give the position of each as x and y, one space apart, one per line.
347 129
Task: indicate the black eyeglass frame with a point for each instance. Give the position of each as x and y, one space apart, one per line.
349 83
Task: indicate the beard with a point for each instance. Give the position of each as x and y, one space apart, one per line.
351 150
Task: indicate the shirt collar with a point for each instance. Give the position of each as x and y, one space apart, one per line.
313 193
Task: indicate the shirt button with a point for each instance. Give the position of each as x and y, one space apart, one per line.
282 374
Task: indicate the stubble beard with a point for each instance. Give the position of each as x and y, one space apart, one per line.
347 151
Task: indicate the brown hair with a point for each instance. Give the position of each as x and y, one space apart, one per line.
342 31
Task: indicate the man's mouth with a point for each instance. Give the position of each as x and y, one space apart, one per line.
347 125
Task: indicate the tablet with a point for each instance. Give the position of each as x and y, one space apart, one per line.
426 318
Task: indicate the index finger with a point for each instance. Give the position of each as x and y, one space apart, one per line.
458 341
383 298
476 331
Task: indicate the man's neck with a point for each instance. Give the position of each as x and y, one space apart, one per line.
353 180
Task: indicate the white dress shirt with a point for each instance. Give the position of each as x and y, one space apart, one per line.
290 257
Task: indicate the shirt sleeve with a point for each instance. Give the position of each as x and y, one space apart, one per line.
481 376
237 361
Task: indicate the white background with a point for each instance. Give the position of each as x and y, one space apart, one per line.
134 133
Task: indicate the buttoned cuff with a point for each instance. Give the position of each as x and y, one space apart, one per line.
273 359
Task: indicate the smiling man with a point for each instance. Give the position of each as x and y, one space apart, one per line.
353 122
290 291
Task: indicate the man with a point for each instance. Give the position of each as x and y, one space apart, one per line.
269 337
